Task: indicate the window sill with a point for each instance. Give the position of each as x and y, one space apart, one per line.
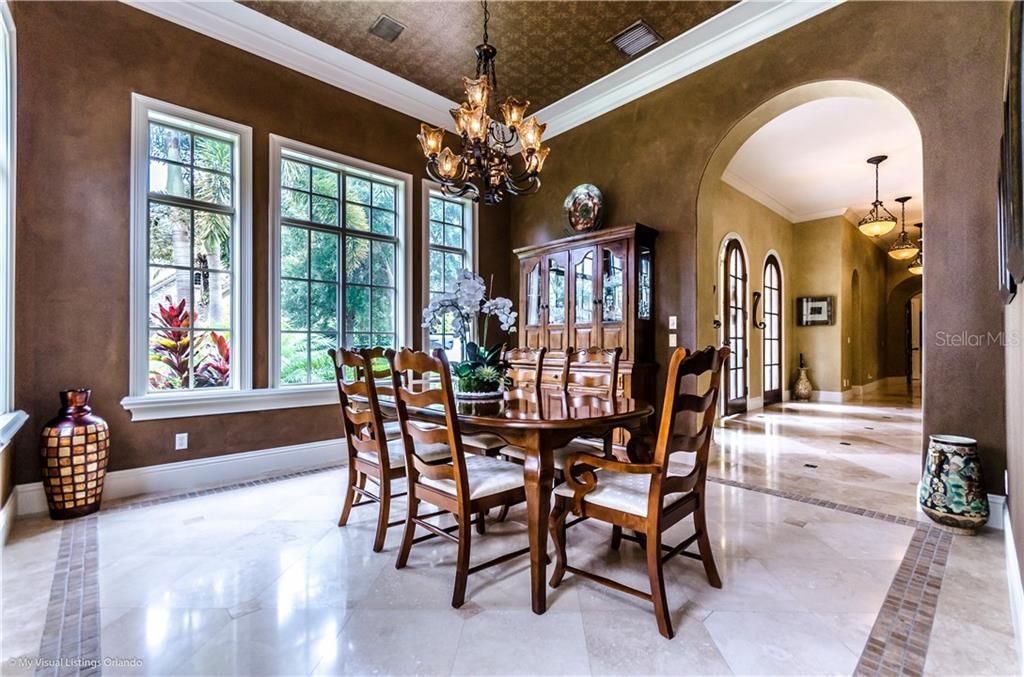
10 424
160 406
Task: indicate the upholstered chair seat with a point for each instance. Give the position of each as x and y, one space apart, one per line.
396 452
560 454
627 492
486 476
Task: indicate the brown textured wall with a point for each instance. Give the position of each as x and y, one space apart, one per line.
78 64
945 61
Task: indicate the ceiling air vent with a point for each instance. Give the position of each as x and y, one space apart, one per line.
635 39
386 28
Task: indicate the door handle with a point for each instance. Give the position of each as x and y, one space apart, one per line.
757 302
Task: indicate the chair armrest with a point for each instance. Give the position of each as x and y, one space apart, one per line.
581 476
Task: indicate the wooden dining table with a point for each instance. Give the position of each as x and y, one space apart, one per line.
539 424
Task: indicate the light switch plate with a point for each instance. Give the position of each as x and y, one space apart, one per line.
180 441
672 341
672 321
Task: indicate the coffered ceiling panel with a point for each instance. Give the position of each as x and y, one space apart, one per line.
546 49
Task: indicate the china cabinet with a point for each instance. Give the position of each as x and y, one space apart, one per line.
593 289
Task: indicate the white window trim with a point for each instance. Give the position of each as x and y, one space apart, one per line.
473 250
403 286
11 419
145 405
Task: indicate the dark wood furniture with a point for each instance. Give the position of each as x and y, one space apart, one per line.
540 423
374 451
594 290
645 497
465 486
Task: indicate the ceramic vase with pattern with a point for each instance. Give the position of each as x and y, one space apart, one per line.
74 448
802 389
952 491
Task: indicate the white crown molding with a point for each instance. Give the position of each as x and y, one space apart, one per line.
765 198
724 34
198 473
247 29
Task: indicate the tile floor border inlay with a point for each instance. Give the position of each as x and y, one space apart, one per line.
897 644
70 643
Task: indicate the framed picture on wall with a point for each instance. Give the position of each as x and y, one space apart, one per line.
813 310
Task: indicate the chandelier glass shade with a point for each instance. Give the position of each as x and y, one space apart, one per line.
487 165
903 248
879 220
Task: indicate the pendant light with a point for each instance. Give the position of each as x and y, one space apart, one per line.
903 249
879 220
916 266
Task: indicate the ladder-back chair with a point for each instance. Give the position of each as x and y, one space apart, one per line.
646 497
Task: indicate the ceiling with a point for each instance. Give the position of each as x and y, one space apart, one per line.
546 49
809 162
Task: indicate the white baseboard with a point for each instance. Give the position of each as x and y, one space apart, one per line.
828 396
755 403
996 511
7 514
786 396
1013 579
202 472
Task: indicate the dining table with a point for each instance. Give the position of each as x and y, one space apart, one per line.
539 423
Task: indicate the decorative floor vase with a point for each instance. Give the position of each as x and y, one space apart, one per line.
802 389
74 448
952 492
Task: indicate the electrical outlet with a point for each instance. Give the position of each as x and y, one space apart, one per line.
673 321
180 441
672 341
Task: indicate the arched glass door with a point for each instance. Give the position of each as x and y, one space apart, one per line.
735 327
772 343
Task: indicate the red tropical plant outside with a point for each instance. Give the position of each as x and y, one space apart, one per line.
172 346
215 369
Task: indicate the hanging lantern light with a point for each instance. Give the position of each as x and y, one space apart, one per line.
903 249
879 220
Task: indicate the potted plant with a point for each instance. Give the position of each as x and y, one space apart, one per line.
482 373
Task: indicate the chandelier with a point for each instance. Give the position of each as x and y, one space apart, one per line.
916 266
879 220
485 167
903 248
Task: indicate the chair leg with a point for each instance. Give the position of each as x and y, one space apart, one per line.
350 495
616 536
556 524
462 565
481 524
410 529
383 515
503 513
704 546
657 579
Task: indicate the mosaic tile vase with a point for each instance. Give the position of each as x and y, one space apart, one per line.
74 447
803 389
952 491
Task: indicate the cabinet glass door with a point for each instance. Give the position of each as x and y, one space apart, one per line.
613 279
583 281
533 295
556 291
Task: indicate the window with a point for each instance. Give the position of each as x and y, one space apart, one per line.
451 239
339 226
772 344
735 328
10 421
191 226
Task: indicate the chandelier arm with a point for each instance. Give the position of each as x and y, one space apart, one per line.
514 187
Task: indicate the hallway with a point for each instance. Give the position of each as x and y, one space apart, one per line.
864 452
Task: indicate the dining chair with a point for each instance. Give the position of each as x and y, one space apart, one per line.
465 486
372 452
588 374
646 497
528 377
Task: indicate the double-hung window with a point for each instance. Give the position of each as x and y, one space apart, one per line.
339 265
191 302
450 246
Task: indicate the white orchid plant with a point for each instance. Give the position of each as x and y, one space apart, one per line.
483 370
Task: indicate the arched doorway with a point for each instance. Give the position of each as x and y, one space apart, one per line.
734 326
771 348
856 323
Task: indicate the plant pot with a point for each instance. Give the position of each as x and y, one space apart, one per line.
475 392
74 446
952 491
